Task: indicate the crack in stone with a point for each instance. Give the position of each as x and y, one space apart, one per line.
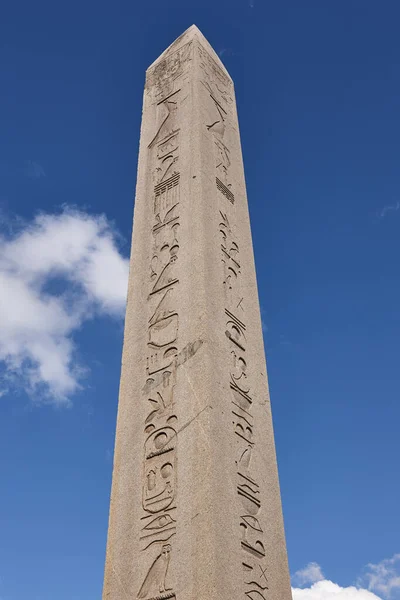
193 419
184 355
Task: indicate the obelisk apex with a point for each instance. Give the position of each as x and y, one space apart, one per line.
195 506
191 33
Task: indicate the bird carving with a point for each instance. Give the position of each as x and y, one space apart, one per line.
154 582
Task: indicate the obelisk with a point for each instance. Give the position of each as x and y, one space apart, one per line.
195 506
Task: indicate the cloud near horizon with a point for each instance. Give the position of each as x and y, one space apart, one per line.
382 578
75 254
327 590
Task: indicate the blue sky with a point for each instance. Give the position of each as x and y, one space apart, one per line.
318 88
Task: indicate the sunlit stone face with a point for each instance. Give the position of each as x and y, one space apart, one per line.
195 506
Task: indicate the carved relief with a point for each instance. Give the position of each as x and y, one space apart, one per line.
252 539
241 398
154 583
162 272
238 372
160 523
256 594
244 457
165 250
164 77
160 470
231 262
221 187
159 483
222 165
255 579
218 88
243 427
216 126
163 331
235 330
165 174
167 155
248 491
163 324
158 530
213 78
166 195
217 118
251 530
166 118
164 353
162 404
160 360
166 227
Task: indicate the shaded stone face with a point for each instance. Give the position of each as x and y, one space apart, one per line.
195 507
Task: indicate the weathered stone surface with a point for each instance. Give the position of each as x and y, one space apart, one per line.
195 507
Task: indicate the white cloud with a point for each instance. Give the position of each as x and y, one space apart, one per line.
323 589
327 590
76 253
384 577
310 574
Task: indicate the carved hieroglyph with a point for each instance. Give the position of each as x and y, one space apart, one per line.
195 506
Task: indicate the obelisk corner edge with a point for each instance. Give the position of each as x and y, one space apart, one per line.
193 33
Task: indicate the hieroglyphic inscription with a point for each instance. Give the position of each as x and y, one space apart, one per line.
216 126
224 190
214 78
166 112
230 261
154 584
192 346
159 484
222 168
218 87
163 79
167 154
255 580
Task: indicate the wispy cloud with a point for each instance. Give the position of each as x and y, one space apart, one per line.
310 574
389 208
320 588
75 255
327 590
383 577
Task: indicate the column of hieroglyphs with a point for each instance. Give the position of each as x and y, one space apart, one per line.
263 553
195 507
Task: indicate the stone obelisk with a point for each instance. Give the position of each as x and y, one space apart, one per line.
195 506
